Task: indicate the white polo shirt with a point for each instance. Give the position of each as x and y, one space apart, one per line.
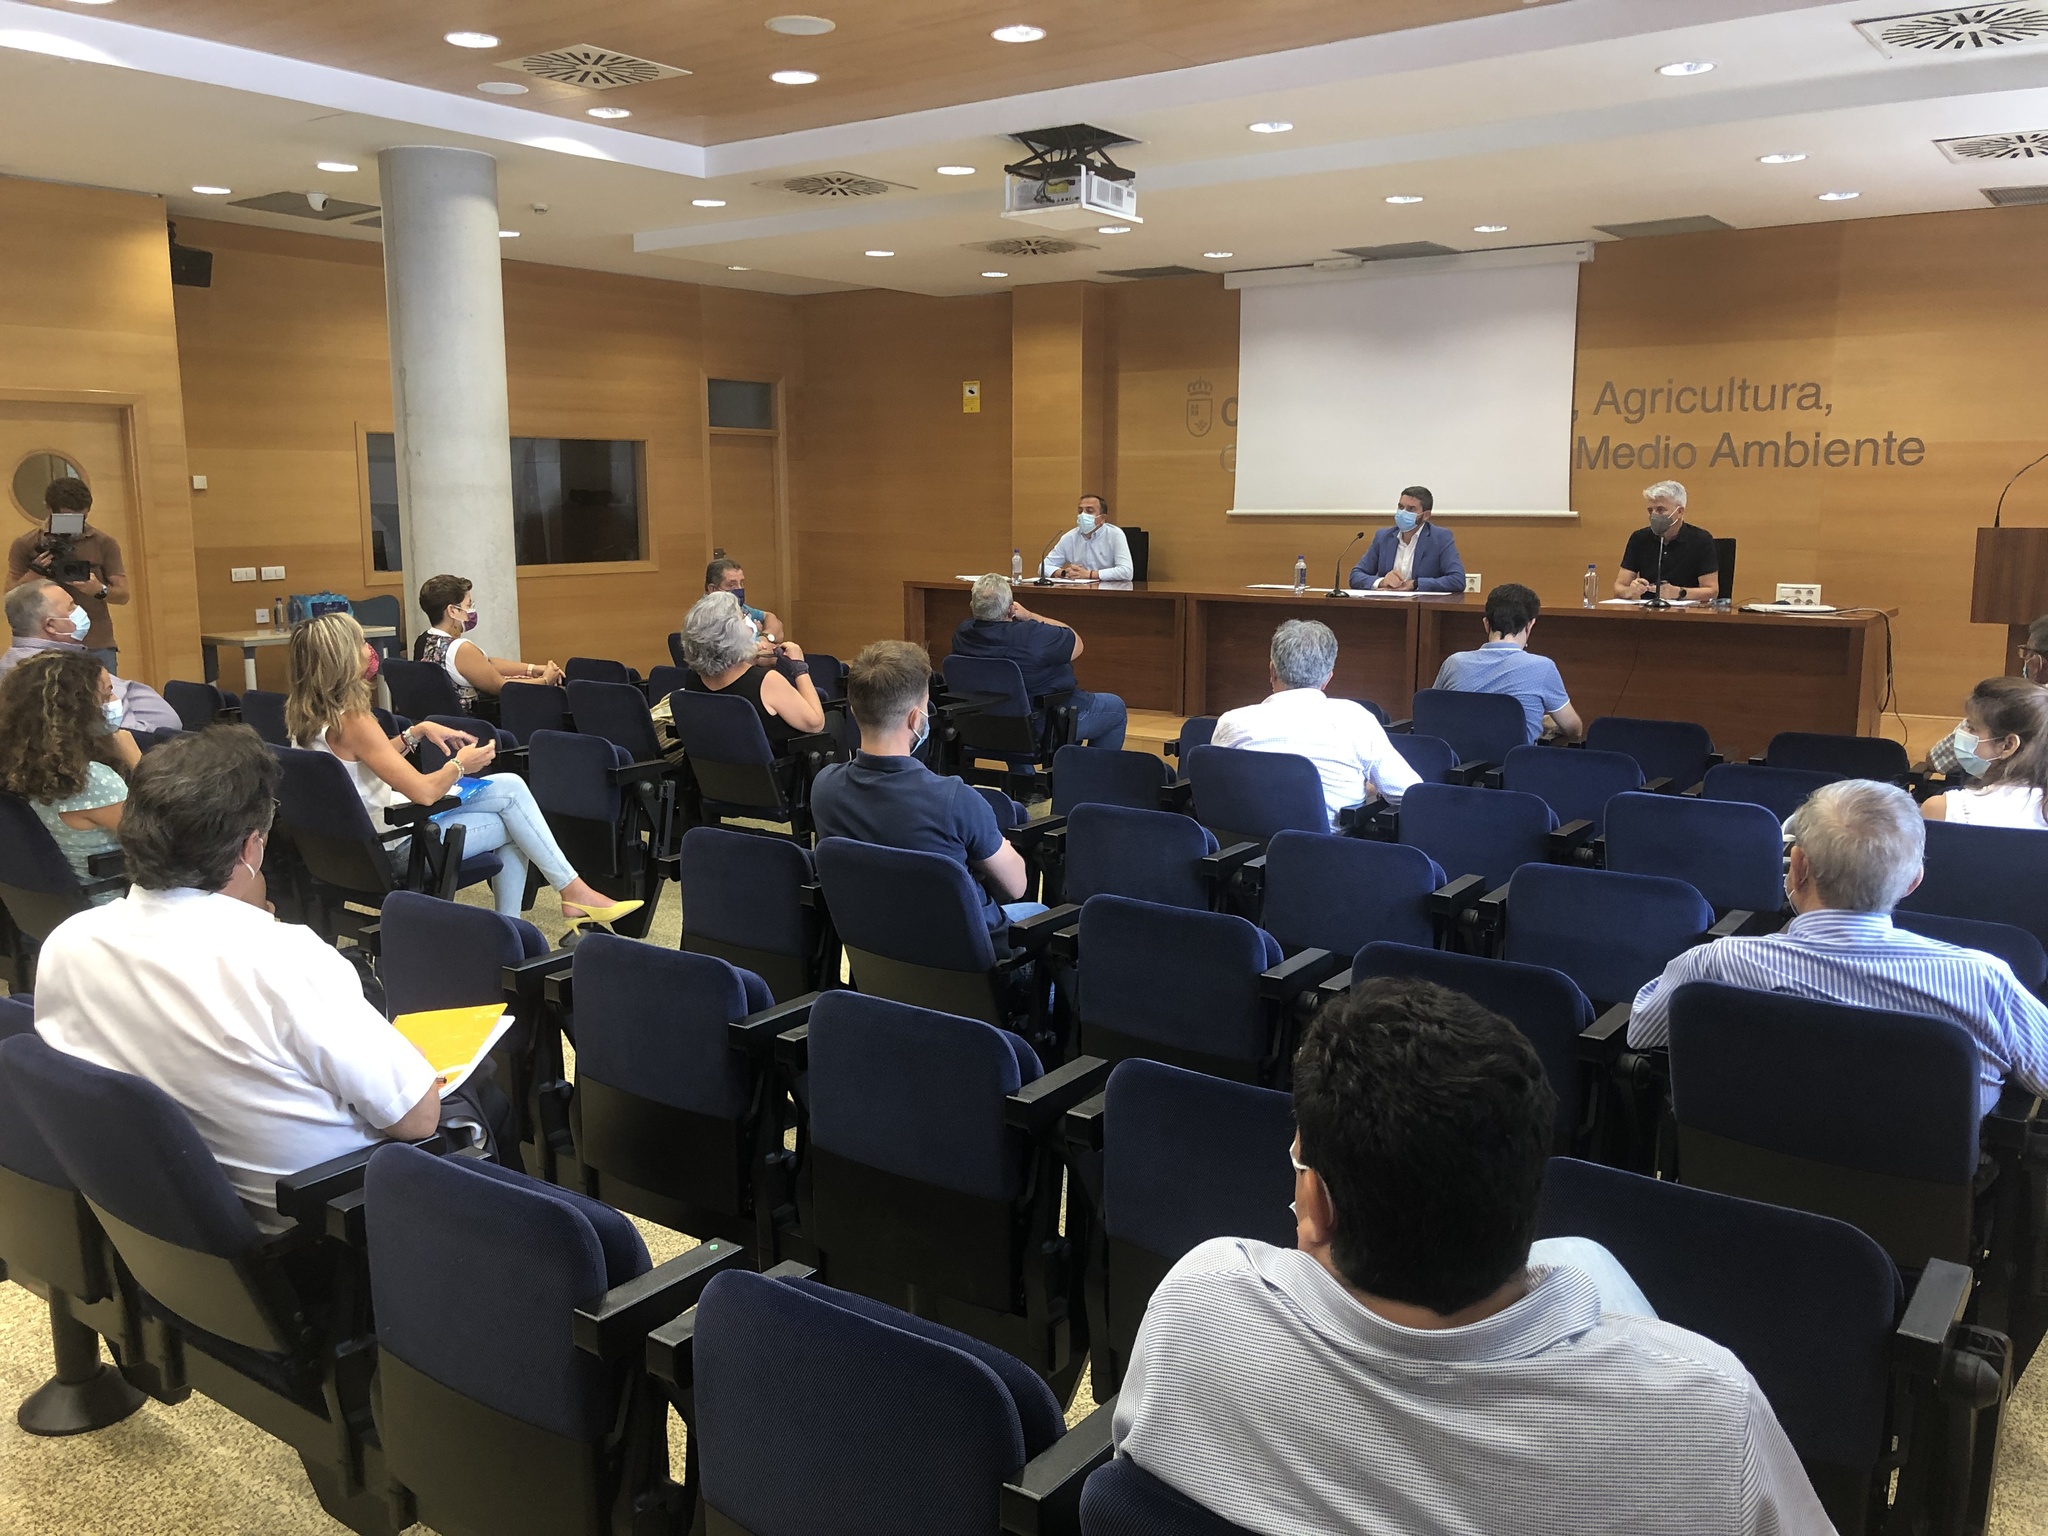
1348 746
257 1028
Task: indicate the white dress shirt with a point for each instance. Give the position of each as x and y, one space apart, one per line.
257 1028
1266 1392
1348 746
1404 552
1106 552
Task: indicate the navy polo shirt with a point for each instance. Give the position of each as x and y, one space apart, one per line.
900 803
1044 653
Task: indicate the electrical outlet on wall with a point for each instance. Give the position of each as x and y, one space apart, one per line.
1804 594
263 618
273 573
1472 581
241 573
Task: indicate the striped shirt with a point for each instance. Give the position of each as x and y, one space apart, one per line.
1264 1391
1863 959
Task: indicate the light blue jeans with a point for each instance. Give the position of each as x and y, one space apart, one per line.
502 819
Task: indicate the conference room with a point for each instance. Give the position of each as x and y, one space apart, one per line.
1291 758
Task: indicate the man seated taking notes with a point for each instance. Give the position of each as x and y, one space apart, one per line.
1094 550
1689 564
1414 555
1505 665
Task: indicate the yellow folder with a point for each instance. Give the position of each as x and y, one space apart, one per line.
455 1040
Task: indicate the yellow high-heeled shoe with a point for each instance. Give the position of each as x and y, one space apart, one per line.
610 914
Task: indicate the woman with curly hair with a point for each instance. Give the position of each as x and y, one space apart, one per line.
62 750
328 710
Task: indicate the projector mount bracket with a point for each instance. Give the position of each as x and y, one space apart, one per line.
1058 153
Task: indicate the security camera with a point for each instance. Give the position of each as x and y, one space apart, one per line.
317 200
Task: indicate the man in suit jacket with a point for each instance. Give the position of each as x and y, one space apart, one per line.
1414 555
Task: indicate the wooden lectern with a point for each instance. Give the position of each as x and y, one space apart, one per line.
2011 586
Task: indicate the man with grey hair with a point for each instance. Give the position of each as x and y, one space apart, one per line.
41 616
1045 650
1669 556
1347 745
1856 849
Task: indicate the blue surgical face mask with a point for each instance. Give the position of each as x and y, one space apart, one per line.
1966 743
1085 521
81 623
113 712
924 731
1404 519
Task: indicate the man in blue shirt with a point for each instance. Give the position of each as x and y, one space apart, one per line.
727 575
1505 665
1414 555
1045 650
887 796
1857 848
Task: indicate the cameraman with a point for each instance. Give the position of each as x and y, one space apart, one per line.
90 569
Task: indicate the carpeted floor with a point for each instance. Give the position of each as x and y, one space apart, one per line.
197 1470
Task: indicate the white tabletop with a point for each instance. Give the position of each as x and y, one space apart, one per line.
250 639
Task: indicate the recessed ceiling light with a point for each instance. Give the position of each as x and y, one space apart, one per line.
502 88
739 269
471 39
878 253
794 77
707 202
995 274
1018 34
1114 229
1685 67
1276 126
214 191
1787 159
609 114
799 26
1839 197
508 234
1489 229
1404 197
956 170
338 167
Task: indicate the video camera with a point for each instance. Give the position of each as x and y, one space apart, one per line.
58 542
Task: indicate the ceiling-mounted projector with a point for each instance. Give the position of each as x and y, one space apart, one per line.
1068 180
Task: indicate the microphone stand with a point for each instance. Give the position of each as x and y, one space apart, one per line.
1656 598
1043 580
1337 576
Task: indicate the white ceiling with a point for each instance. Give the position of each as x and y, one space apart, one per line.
1551 120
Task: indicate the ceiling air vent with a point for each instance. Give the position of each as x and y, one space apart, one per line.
1691 224
591 67
1997 146
302 205
1401 252
1957 29
838 184
2015 197
1142 272
1030 245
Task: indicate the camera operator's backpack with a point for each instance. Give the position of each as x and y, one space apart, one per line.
311 605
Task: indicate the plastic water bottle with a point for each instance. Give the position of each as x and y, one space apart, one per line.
277 613
1590 595
1300 574
1016 566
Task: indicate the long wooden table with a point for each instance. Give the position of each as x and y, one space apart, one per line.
1202 650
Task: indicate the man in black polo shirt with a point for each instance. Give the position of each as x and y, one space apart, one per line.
1690 566
887 796
1045 650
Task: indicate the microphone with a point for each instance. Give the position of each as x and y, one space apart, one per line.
1656 598
1998 512
1337 576
1043 580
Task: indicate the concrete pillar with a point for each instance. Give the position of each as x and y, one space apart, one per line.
444 303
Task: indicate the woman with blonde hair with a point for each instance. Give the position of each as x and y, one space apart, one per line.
2003 745
63 751
328 710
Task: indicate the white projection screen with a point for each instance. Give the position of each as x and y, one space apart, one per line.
1450 372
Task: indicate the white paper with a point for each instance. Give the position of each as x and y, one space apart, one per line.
1639 602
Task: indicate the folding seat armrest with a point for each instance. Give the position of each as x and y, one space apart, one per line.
1177 795
1045 1498
1405 726
640 770
671 1345
1298 974
1927 1332
615 1326
756 1034
1038 1106
110 865
1032 934
1218 867
1490 914
793 1049
510 755
1064 946
1695 791
1472 773
1566 840
811 894
303 1196
558 990
1368 818
1730 924
1334 986
532 979
1758 762
1251 874
409 815
1082 1126
1027 837
1455 896
1657 786
1603 1041
2016 1125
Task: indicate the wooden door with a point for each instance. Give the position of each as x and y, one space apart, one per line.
746 513
93 441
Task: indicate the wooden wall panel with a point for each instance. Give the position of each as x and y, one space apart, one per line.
888 476
86 317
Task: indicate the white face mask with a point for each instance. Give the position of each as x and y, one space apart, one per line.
112 712
1085 521
81 624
